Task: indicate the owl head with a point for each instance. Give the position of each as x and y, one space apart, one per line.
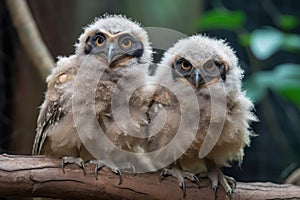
202 61
116 40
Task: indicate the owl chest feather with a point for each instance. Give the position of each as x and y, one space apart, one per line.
227 144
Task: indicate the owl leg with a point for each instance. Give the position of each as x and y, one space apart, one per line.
101 163
72 160
218 178
180 175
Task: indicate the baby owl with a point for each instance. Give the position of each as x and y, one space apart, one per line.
210 67
109 48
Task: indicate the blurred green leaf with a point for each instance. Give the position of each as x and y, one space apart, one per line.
284 80
288 22
265 42
244 39
289 84
256 85
291 42
224 19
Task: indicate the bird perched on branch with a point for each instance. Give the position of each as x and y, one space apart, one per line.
109 48
210 67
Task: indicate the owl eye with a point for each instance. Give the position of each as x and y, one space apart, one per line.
210 66
100 40
126 43
185 65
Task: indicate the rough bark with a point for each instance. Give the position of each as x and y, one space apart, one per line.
41 176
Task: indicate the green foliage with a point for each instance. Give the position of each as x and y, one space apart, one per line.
288 22
265 42
283 79
291 42
244 39
224 19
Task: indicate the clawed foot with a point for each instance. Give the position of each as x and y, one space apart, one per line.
99 164
217 177
180 175
73 160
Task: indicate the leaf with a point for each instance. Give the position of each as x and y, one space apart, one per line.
288 85
244 39
288 22
221 19
284 80
265 42
291 42
257 85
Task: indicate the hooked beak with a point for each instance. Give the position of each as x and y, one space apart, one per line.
111 52
197 78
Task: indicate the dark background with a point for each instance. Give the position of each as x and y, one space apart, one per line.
273 155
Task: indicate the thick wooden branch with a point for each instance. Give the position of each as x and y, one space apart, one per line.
40 176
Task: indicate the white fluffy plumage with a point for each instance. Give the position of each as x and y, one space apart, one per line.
203 53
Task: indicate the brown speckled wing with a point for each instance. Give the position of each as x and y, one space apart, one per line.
49 115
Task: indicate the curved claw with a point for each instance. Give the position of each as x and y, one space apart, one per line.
96 170
161 175
230 194
234 185
215 189
73 160
182 183
120 176
231 181
63 165
197 181
83 168
217 177
133 169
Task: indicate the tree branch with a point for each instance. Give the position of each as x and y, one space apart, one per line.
41 176
30 37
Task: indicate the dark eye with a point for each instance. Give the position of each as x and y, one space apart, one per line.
126 43
185 65
100 40
210 66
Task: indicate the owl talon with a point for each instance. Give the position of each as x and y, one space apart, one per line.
217 177
83 168
180 176
192 177
133 169
161 176
125 166
215 189
99 164
230 193
231 181
120 176
197 181
183 187
72 160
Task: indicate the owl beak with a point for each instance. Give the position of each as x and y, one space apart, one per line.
111 48
197 78
111 52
